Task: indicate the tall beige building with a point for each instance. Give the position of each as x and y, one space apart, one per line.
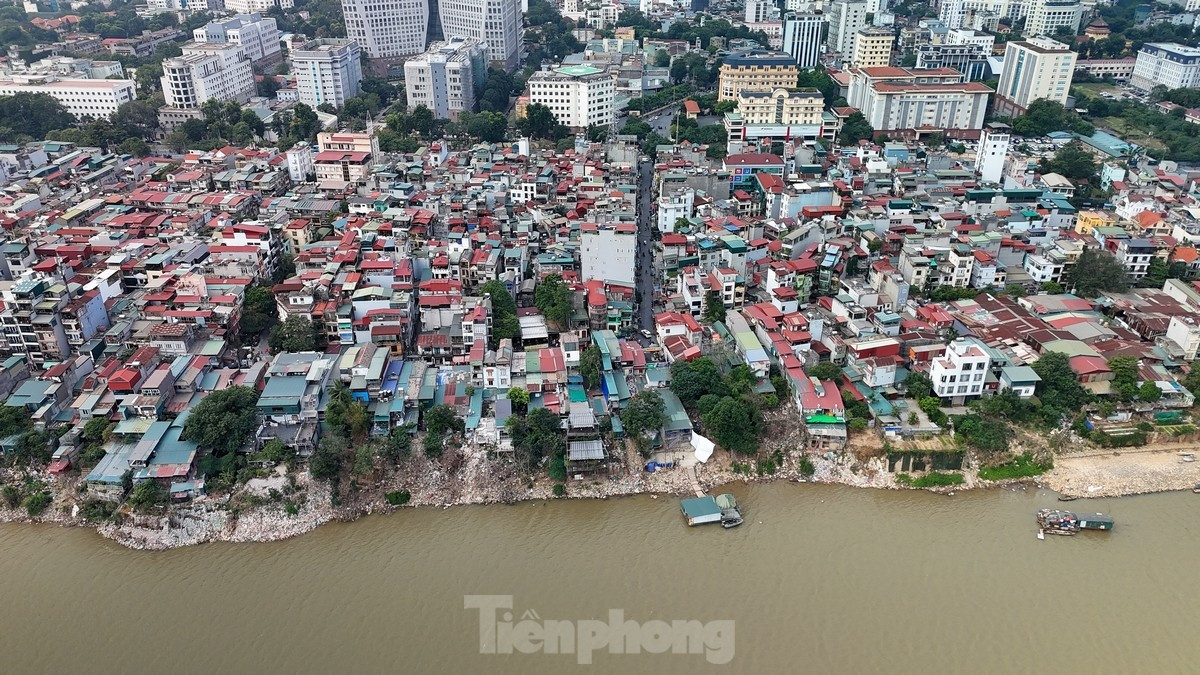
756 71
1034 69
872 48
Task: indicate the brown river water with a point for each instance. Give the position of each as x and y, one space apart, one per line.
820 579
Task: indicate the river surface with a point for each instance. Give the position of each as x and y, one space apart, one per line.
820 579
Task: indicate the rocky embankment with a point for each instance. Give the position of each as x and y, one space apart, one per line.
252 515
1120 473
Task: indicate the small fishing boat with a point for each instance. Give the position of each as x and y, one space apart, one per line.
731 521
1041 535
1196 488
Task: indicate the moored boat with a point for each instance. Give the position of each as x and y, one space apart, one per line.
1053 521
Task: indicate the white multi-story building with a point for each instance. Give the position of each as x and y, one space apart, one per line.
846 17
251 6
207 71
579 96
1172 65
82 98
496 23
300 162
387 29
327 71
255 34
992 152
897 99
608 252
1034 69
1185 332
673 205
68 67
872 48
344 159
761 11
446 78
802 38
966 36
779 114
1047 16
961 372
951 13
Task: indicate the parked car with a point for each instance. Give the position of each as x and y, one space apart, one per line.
646 334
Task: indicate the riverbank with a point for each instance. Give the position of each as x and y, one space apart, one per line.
255 513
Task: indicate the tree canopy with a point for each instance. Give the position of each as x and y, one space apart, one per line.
734 424
644 414
553 299
1043 116
27 117
1059 391
1096 272
296 334
504 312
224 420
855 129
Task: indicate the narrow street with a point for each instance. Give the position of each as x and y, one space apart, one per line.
645 257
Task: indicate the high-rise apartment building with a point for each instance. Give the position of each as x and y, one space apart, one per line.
327 71
872 48
846 17
952 13
579 96
446 78
802 38
207 71
387 30
1034 69
496 23
255 34
1045 17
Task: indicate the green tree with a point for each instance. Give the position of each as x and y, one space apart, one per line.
276 451
1073 161
1149 392
1098 271
1044 116
326 460
519 397
826 370
539 122
97 430
27 117
259 312
504 312
147 494
553 300
714 307
918 385
644 414
855 129
1059 390
1125 377
14 420
36 503
589 366
296 334
398 444
1052 287
690 380
441 419
224 420
734 424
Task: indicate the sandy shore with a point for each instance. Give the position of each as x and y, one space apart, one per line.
1109 474
483 481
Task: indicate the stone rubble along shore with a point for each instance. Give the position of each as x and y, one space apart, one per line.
485 481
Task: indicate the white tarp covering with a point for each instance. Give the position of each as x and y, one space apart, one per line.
703 447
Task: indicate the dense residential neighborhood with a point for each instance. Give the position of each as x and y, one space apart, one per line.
238 265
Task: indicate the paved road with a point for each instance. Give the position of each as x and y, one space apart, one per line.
645 257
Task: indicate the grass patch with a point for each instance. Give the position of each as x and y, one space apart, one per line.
933 479
1130 133
1023 466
